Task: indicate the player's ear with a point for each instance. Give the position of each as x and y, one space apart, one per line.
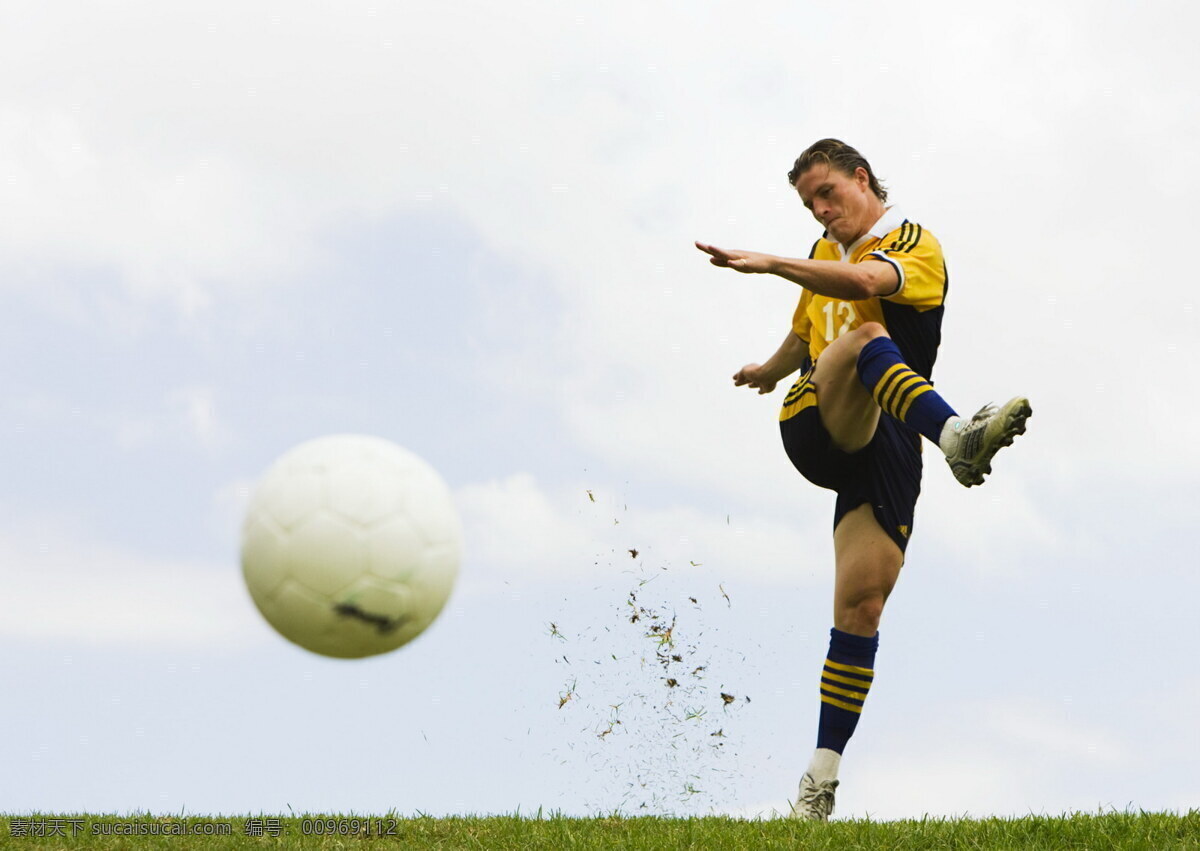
861 177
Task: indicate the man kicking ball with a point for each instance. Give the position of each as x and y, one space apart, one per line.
864 338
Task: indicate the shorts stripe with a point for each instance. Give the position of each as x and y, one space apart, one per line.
802 395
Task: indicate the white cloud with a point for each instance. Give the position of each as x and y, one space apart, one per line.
196 407
63 587
182 416
1003 757
1026 727
517 529
994 529
514 528
947 782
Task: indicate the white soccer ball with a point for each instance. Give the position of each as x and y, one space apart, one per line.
351 545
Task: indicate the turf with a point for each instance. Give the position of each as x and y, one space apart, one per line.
1077 831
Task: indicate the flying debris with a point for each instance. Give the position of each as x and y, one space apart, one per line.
566 697
659 763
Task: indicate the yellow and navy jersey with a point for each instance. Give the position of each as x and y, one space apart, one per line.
912 314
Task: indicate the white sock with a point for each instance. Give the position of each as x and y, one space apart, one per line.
949 436
824 764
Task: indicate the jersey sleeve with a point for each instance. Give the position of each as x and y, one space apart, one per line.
917 257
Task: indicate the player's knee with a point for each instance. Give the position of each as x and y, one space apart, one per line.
847 346
862 615
869 612
868 331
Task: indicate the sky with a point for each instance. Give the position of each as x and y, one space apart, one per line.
226 229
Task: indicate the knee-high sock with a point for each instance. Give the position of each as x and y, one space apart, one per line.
845 681
901 392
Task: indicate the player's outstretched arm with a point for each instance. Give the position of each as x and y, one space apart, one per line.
749 262
788 358
850 281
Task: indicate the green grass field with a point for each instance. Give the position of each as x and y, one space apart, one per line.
1106 830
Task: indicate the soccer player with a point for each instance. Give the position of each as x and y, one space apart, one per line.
864 337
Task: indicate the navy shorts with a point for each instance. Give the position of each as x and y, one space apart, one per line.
886 473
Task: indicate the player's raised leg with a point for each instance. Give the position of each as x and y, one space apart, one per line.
968 444
863 372
847 410
868 565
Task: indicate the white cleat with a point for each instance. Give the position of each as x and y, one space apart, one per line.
970 444
815 800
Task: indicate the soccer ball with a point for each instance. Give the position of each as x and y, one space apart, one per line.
350 546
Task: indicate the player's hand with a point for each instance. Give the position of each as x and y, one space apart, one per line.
742 261
753 374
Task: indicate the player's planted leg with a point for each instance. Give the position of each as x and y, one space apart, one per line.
845 681
814 801
868 565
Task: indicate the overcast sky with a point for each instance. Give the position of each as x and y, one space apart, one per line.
228 228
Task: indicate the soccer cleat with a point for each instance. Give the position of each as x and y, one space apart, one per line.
970 444
815 800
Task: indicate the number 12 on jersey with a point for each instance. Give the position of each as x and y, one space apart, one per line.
843 310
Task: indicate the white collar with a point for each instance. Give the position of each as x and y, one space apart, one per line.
891 219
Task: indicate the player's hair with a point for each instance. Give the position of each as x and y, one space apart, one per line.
835 154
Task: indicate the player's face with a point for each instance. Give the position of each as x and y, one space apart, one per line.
843 203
